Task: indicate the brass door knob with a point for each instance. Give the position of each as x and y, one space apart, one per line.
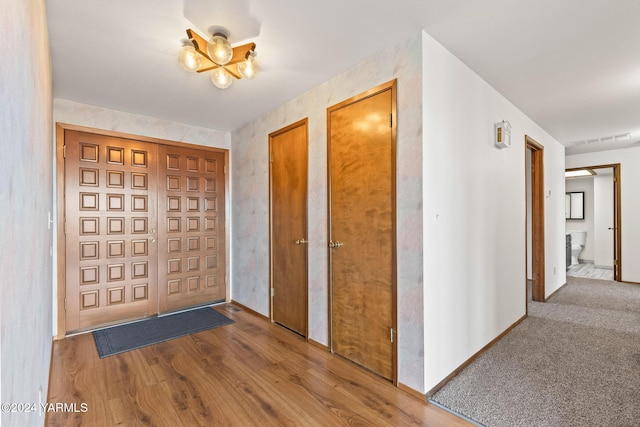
301 241
335 244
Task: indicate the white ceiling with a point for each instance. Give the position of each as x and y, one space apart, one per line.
573 66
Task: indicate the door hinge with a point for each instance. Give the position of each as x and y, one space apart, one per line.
64 151
615 262
390 120
270 157
65 303
392 334
273 292
224 169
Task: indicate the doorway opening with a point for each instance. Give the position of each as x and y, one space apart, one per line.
534 159
596 233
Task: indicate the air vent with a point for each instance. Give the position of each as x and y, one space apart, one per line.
603 140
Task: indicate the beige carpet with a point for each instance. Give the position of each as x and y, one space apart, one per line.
575 361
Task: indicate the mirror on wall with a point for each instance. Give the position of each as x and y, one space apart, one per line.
574 205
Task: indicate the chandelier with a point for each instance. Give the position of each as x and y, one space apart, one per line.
217 55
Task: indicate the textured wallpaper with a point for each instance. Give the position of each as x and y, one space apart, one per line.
250 181
25 203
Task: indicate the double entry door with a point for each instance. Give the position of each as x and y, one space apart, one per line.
144 228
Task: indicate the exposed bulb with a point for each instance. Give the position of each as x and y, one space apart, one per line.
248 68
221 78
219 49
189 59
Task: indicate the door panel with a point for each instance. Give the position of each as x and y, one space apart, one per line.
191 241
110 203
288 172
362 200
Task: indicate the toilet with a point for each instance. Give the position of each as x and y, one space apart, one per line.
578 239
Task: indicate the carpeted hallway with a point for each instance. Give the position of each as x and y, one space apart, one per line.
575 361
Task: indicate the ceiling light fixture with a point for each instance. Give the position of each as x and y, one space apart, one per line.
218 56
579 173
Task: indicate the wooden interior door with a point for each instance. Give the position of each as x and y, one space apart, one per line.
537 220
191 240
617 223
288 195
110 214
362 229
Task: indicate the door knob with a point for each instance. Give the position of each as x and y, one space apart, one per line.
152 239
335 244
301 241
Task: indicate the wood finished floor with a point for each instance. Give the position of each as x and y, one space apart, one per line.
250 373
588 271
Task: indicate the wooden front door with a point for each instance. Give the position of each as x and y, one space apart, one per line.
144 228
110 206
362 229
288 185
191 227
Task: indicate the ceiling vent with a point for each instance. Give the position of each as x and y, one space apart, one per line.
603 140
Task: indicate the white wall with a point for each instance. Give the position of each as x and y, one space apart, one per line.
25 201
629 160
92 116
251 195
474 212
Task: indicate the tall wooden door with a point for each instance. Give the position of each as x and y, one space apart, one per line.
144 226
288 188
191 227
362 229
110 208
537 220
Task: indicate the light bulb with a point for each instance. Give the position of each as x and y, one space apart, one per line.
248 68
221 78
188 58
219 49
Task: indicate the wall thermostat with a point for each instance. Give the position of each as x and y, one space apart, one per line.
502 134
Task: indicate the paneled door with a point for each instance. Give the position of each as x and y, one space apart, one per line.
144 228
361 135
191 227
288 191
111 218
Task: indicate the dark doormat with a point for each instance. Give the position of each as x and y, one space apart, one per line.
118 339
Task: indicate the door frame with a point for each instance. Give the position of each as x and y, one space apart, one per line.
304 122
617 216
61 215
537 221
390 85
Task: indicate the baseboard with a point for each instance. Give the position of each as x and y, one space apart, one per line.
603 267
459 369
412 392
249 310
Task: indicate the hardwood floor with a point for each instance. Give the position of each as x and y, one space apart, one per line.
249 373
